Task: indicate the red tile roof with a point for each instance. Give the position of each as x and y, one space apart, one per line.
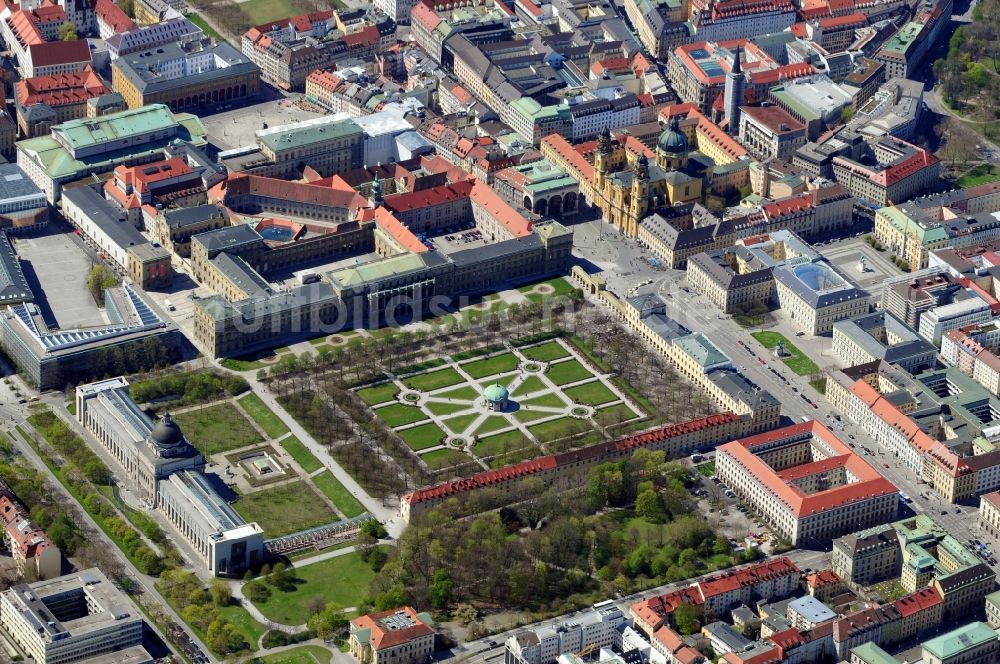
384 637
113 15
856 19
868 482
242 184
733 580
550 462
29 539
60 89
399 232
425 198
821 579
923 599
424 14
579 167
59 52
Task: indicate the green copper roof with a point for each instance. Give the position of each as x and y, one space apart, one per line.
495 393
704 352
869 653
957 641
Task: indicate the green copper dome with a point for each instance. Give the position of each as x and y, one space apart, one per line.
496 393
673 140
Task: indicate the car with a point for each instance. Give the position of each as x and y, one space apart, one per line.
799 333
851 436
852 444
813 405
943 512
493 644
958 510
885 465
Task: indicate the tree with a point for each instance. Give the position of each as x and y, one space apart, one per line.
127 6
100 278
846 113
649 507
67 32
686 619
256 591
327 622
440 590
220 592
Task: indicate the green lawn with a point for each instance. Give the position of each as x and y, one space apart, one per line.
378 394
302 456
500 380
264 416
217 428
268 11
797 361
502 442
205 27
546 352
285 509
397 414
551 400
559 285
344 580
338 493
442 408
241 618
300 655
568 372
529 385
608 415
433 380
530 415
491 424
439 459
981 174
466 392
422 436
491 365
460 423
558 428
593 393
707 469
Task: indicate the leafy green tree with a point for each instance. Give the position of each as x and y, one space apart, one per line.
327 622
221 594
67 32
440 589
649 507
686 619
100 278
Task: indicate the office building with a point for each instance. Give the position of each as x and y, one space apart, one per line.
805 483
195 74
594 630
79 617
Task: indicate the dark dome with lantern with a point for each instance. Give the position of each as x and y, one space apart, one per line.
166 433
673 140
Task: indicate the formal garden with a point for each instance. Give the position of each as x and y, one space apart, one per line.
486 408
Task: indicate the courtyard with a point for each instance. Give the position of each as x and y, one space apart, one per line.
482 409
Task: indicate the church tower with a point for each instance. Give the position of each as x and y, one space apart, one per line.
735 93
639 203
603 158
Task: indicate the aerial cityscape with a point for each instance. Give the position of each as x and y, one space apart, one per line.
500 331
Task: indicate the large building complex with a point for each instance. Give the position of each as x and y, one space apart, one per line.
162 467
92 146
193 74
806 483
80 617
